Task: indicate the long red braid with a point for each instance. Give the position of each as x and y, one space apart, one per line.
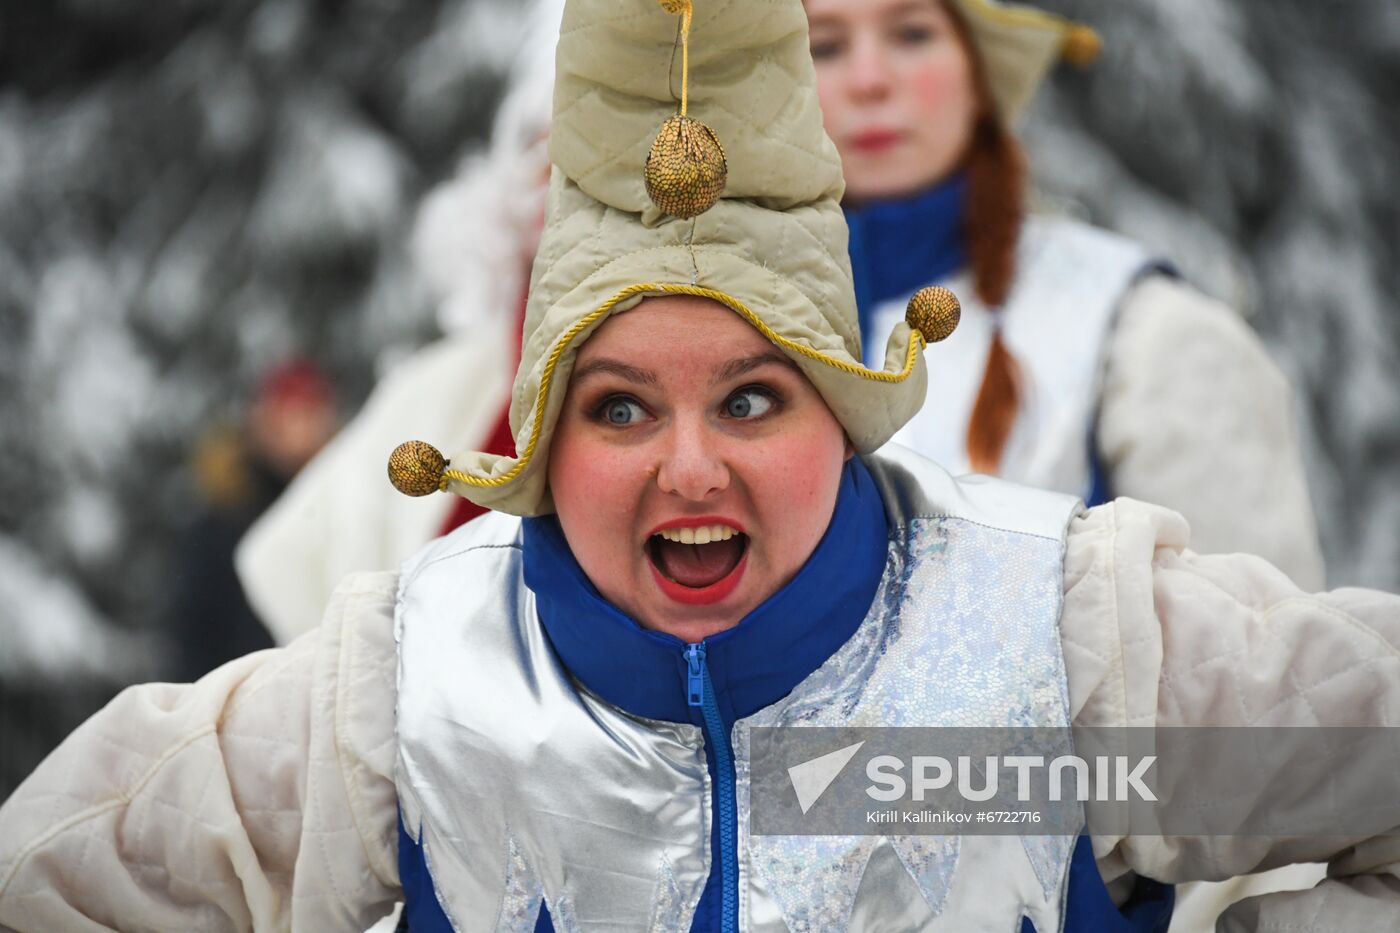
996 198
996 173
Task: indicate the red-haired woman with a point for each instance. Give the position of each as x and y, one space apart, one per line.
1082 363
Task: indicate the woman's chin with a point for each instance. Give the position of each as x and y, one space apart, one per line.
887 180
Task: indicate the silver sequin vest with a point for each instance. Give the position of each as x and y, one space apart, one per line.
524 789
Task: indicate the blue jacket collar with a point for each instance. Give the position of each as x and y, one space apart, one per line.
752 665
899 246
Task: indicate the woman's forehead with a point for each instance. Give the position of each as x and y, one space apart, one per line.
686 323
678 340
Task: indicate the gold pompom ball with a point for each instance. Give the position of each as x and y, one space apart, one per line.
416 468
1081 46
934 312
676 7
685 171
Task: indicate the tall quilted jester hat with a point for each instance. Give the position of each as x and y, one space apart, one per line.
689 159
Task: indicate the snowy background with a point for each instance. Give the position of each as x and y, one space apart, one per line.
192 191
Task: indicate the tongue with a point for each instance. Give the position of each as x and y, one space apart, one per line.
699 565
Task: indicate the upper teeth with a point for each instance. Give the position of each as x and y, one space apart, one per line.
702 535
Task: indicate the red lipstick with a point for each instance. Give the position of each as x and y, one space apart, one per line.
697 521
876 140
703 595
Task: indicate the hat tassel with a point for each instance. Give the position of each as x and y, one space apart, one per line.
685 170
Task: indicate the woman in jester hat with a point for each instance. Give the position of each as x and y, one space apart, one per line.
1083 363
531 724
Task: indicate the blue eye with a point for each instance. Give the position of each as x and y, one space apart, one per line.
623 411
748 403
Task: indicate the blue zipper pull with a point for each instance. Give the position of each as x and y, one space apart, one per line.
695 674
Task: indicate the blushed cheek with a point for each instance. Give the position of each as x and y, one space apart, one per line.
806 475
570 478
941 90
599 490
590 493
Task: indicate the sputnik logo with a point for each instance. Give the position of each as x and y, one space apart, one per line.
811 778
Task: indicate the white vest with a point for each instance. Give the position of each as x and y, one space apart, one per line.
523 788
1070 279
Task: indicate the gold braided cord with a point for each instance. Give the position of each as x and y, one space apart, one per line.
1016 16
683 8
685 58
916 344
874 375
1021 16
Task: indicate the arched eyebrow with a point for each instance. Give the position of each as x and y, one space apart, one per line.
744 365
617 368
730 370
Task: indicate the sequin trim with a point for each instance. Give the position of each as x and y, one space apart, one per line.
963 632
520 906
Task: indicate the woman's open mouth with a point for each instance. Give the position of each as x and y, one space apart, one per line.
698 565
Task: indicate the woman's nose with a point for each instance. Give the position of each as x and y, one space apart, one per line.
868 73
692 465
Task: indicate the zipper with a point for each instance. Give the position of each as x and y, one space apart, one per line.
700 692
695 674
